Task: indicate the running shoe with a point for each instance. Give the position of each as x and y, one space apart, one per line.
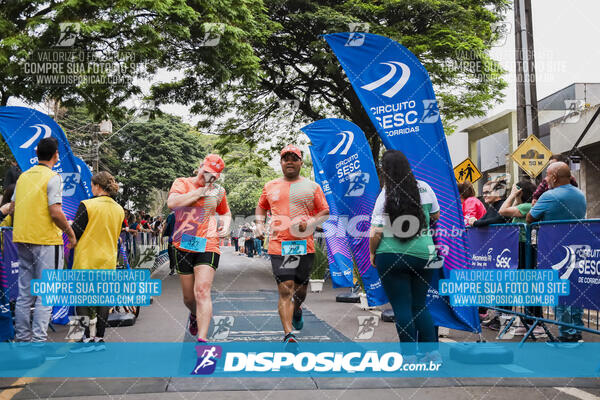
538 331
566 342
202 341
297 320
518 331
494 324
290 338
192 325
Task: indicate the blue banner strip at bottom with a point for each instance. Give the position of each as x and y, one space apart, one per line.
532 360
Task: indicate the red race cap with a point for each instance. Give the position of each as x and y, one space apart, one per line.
213 163
290 148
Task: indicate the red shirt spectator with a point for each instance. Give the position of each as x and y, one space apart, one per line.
473 207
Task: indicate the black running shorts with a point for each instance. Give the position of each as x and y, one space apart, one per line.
186 261
292 268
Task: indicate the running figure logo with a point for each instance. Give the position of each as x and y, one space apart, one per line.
207 359
357 37
358 183
366 327
290 262
431 112
70 182
222 327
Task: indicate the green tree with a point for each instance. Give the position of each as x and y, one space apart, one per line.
144 157
296 64
120 40
244 177
150 155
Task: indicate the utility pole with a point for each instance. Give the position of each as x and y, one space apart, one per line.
527 107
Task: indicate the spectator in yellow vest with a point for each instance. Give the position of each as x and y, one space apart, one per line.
97 226
38 223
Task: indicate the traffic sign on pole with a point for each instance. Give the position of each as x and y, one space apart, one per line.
532 156
466 171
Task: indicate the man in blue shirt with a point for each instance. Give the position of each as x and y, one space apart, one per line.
562 201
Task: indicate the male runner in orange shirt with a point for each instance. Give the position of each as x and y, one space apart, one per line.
297 206
196 201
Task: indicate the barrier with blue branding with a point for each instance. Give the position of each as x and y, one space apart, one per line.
495 246
573 249
9 266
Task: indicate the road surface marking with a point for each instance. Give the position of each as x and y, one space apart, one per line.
580 394
15 388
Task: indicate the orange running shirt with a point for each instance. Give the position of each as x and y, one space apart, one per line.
199 218
291 202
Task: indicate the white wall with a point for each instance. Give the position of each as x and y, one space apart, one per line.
458 145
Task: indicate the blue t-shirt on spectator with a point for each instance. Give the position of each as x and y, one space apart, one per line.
563 202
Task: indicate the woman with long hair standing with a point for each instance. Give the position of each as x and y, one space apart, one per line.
401 245
97 226
472 207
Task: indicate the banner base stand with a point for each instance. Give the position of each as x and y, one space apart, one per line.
349 297
388 315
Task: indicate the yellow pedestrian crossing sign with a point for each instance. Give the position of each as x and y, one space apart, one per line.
466 171
532 156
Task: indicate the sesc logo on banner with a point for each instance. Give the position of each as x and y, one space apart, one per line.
503 259
583 259
37 134
395 118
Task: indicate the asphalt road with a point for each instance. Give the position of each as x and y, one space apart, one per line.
244 295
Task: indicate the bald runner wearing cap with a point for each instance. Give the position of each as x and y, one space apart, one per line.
297 206
196 202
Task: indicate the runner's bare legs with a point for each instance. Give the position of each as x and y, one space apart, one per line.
187 288
299 295
285 305
203 279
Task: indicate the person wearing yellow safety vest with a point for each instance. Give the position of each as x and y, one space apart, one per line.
97 226
38 224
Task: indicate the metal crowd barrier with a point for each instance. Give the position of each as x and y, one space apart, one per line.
572 239
136 246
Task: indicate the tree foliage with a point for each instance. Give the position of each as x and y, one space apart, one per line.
143 156
146 157
151 155
126 39
451 38
244 177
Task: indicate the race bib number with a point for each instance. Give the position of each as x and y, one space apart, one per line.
293 248
193 243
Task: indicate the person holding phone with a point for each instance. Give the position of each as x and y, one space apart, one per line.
196 202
